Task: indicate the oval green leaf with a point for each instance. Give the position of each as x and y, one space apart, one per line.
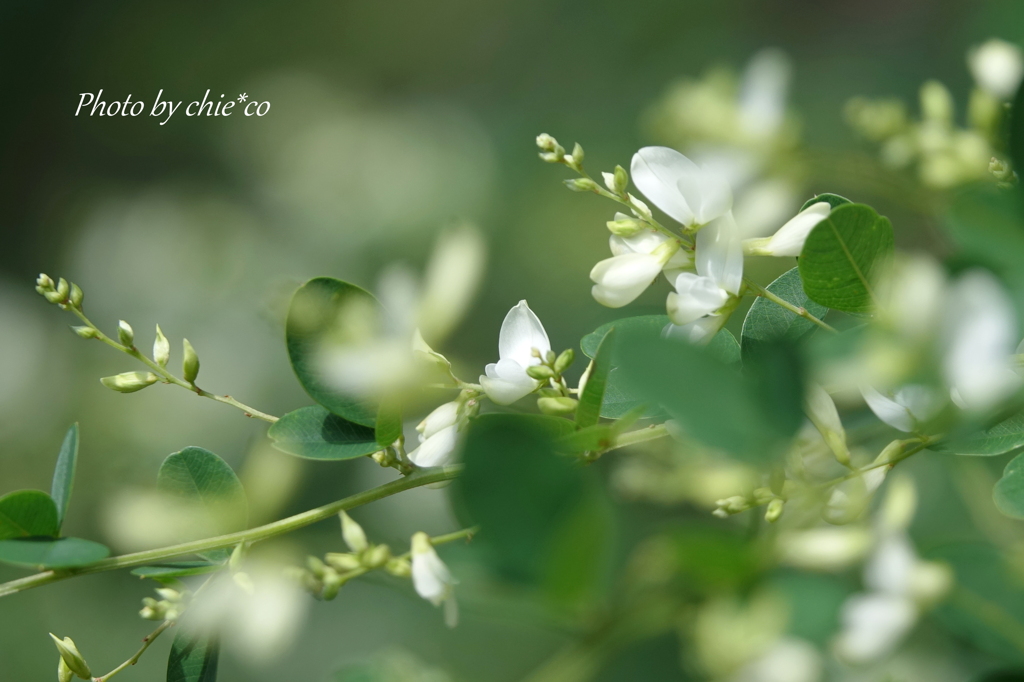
843 256
769 322
316 314
315 433
49 553
997 440
1009 490
28 513
200 477
64 473
176 569
588 412
832 200
193 658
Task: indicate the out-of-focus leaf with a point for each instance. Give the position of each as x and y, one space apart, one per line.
708 557
315 433
176 569
588 412
833 200
843 256
769 322
997 440
193 658
388 428
316 314
28 513
814 604
1002 676
202 478
49 553
579 551
1009 490
64 474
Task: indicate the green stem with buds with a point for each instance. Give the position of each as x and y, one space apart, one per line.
416 479
802 312
149 639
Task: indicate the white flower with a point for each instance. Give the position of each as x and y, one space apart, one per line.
873 624
432 579
906 409
763 93
436 449
689 194
788 660
506 381
441 418
997 67
789 239
719 260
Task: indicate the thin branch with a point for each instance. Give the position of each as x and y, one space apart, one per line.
802 312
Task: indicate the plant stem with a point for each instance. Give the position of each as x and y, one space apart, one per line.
416 479
169 378
652 432
138 654
802 312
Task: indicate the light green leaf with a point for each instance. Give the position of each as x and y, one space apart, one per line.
64 474
588 412
767 321
389 423
317 314
844 255
833 200
315 433
48 553
28 513
998 440
176 569
193 658
1009 490
199 477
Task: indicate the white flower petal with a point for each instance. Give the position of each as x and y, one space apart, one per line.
763 93
888 410
873 625
430 576
521 332
656 172
789 240
644 241
788 660
997 67
715 195
506 391
694 297
891 566
699 332
436 450
719 253
441 418
621 279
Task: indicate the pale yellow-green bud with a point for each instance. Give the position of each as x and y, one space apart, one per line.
564 361
549 357
581 184
376 556
45 282
52 295
557 406
129 382
85 332
190 364
774 510
626 227
1001 170
575 160
399 567
343 562
332 584
125 334
72 658
642 209
76 296
936 102
63 289
353 533
64 673
540 372
237 555
621 180
316 566
892 452
169 594
161 348
545 143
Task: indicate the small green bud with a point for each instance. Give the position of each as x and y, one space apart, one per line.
377 556
44 282
626 227
332 584
52 295
169 594
575 160
72 658
190 365
64 673
1001 170
621 180
129 382
774 510
557 406
545 143
125 334
564 361
85 332
549 357
76 296
399 567
316 567
581 184
936 102
540 372
161 348
642 209
353 533
343 562
63 288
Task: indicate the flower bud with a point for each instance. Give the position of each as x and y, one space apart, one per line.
774 510
190 364
557 406
545 143
76 296
581 184
936 102
353 533
564 361
343 562
169 594
332 583
624 227
64 673
85 332
1001 170
129 382
161 348
621 180
575 160
399 567
642 209
540 372
377 556
125 334
315 566
549 357
63 289
44 282
72 658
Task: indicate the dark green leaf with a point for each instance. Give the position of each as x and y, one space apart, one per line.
652 324
28 513
315 433
588 413
176 569
316 315
199 477
596 437
725 347
998 440
64 474
193 658
389 423
832 199
48 553
767 321
844 255
1009 490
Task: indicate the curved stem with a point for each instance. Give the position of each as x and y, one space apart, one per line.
416 479
802 312
138 654
652 432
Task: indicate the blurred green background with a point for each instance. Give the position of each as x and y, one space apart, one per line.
389 120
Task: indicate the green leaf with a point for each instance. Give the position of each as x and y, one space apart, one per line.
28 513
316 315
48 553
725 347
193 658
199 477
832 199
768 322
998 440
588 412
176 569
1009 490
64 474
389 423
843 256
652 324
315 433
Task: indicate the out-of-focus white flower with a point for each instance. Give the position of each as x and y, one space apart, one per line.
648 241
689 194
997 67
981 336
908 407
850 498
620 279
432 579
763 93
823 549
822 412
790 659
790 238
437 449
506 381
